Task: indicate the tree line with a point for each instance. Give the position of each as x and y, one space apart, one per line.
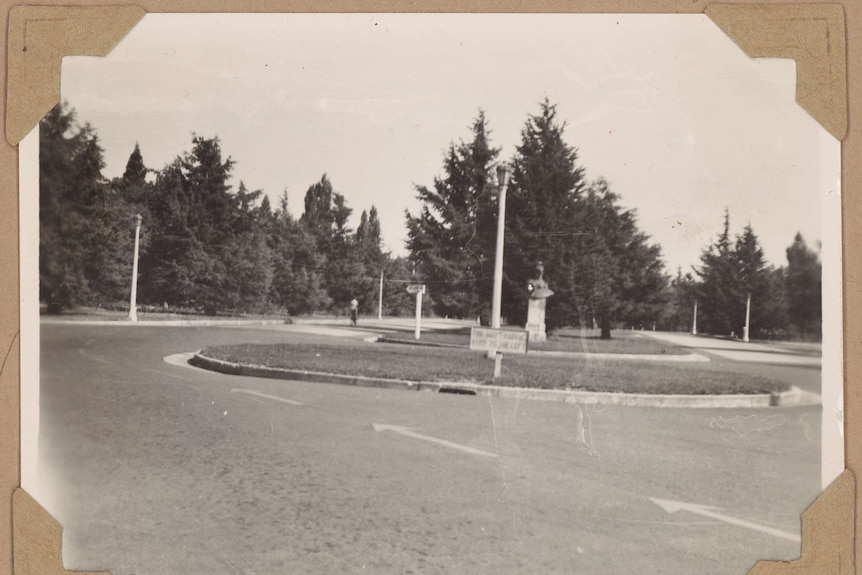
604 270
786 302
205 245
209 246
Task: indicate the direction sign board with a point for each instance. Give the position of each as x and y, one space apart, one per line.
416 288
502 340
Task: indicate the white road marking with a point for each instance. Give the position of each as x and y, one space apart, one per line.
87 354
705 511
413 434
272 397
160 372
181 360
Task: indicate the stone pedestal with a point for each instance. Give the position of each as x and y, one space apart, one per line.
536 319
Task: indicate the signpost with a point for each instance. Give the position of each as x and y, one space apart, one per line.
419 290
496 341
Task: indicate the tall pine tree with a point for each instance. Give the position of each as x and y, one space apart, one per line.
542 219
195 214
85 232
618 275
803 284
451 240
719 296
731 272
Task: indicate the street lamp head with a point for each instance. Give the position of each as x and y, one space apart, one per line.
502 175
139 218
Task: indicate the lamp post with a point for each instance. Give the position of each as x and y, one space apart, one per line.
502 184
380 298
694 320
746 328
133 303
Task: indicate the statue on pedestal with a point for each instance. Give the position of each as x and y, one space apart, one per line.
539 293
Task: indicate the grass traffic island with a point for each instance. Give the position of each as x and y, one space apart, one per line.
567 340
452 365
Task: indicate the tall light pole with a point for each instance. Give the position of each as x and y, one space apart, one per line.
694 320
502 184
133 303
745 329
380 298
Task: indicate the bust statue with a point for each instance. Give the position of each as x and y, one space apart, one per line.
538 287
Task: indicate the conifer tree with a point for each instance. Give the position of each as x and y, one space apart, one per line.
803 287
195 214
85 233
731 271
368 249
451 239
545 188
682 296
619 276
136 171
297 279
719 295
248 259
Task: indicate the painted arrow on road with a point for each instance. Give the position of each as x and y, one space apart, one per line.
406 431
706 511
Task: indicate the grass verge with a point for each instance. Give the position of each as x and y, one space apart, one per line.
154 313
414 363
587 341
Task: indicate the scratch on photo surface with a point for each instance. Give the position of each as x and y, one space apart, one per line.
743 425
585 423
501 497
585 430
808 427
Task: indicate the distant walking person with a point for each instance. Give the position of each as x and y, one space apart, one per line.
354 310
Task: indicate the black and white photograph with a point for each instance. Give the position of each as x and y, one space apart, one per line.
429 294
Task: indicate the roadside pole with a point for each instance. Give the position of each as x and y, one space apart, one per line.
133 301
418 332
694 320
417 289
496 303
747 318
380 298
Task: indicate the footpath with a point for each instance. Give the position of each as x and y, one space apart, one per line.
752 352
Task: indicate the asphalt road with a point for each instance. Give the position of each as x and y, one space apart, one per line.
168 469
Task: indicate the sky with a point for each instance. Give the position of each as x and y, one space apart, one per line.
670 111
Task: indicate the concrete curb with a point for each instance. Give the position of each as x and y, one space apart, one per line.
167 322
789 397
